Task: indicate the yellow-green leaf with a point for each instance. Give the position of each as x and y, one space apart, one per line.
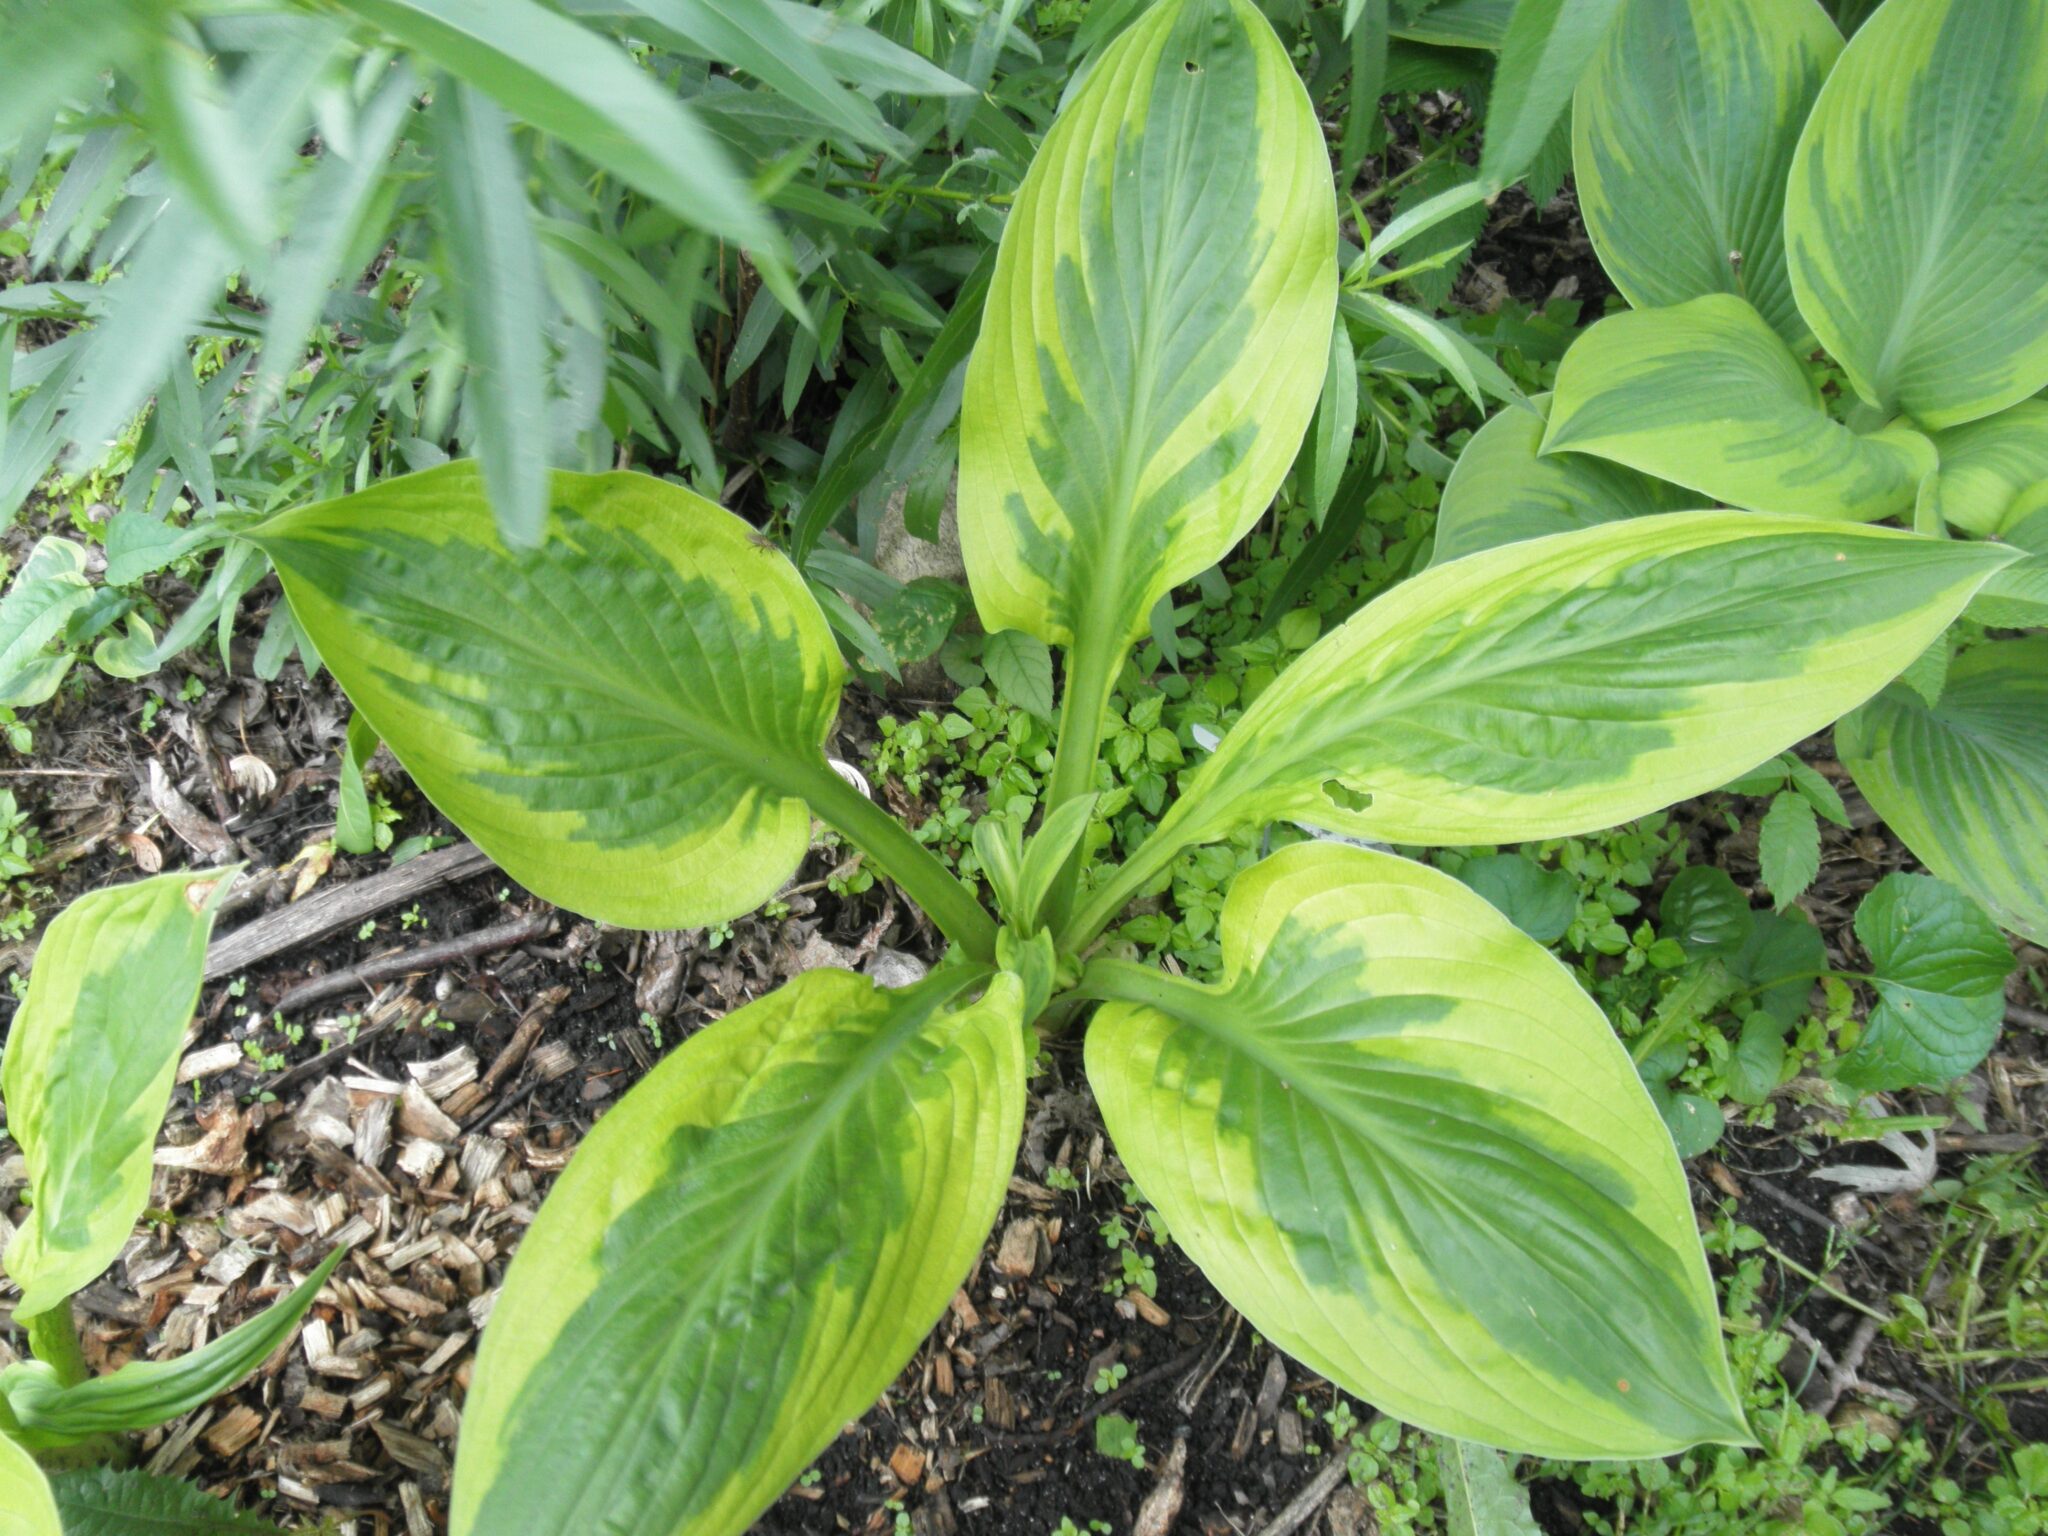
1964 782
1399 1139
1707 395
741 1256
1988 466
1682 136
1573 682
26 1507
1915 224
627 719
90 1061
1504 489
1156 330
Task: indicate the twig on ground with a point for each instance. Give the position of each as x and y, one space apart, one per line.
340 907
1303 1506
425 958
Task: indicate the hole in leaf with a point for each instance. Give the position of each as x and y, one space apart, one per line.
1344 797
1192 67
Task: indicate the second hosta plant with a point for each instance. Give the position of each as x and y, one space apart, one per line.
1395 1134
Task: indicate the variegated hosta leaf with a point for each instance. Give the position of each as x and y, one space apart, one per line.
1156 329
1708 395
1504 489
1964 782
90 1061
1988 466
1915 224
626 719
26 1507
1402 1142
741 1256
1682 135
1577 681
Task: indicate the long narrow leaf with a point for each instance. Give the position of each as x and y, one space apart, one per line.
495 279
566 80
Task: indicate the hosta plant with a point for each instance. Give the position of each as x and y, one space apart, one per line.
1762 193
1395 1134
91 1058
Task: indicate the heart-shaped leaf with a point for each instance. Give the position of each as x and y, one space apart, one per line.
1939 966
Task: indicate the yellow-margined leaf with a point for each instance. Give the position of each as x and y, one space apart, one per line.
627 719
1682 135
1399 1139
1707 395
742 1255
1915 223
1156 330
89 1066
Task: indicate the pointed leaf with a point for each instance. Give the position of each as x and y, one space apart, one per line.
1940 966
567 80
1788 848
1505 489
500 304
1548 45
1402 1142
1682 136
1707 395
145 1393
26 1505
88 1072
1156 331
106 1502
1580 680
1964 782
1914 220
741 1256
626 720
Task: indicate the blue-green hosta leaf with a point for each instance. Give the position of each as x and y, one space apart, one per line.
107 1502
1682 135
1156 331
1706 394
626 720
145 1393
1402 1142
1915 224
1987 467
1580 680
1939 966
1505 488
88 1073
741 1256
26 1506
1964 782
